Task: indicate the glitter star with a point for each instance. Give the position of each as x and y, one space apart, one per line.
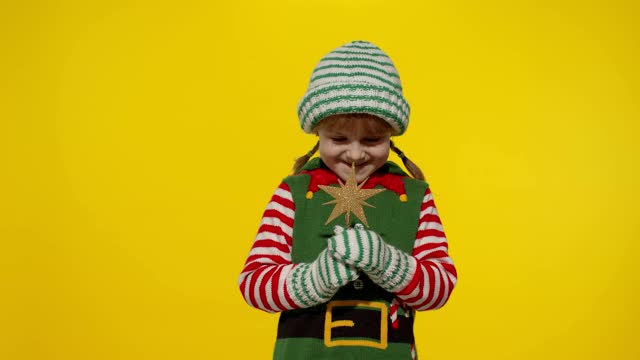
349 198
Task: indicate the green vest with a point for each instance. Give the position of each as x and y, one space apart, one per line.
320 332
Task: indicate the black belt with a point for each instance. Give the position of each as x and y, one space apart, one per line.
347 323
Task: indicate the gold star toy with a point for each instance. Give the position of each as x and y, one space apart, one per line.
349 198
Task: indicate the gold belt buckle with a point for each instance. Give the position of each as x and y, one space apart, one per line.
330 324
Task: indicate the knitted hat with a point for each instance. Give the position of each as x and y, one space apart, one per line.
355 78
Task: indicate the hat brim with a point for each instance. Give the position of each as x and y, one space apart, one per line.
383 102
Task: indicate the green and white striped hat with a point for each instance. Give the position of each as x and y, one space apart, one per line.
355 78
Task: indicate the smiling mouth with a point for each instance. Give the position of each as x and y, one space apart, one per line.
356 165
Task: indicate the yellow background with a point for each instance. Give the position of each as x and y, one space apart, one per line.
141 140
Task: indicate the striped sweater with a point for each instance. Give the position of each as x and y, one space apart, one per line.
264 276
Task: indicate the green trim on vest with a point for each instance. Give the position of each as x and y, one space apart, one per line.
314 349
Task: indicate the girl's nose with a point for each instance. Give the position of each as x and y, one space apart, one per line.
355 153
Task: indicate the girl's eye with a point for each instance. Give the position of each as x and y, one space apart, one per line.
372 140
338 139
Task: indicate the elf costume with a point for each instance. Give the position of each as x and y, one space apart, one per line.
348 264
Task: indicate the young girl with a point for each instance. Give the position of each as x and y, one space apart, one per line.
350 246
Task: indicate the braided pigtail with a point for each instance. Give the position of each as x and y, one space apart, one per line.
410 165
299 163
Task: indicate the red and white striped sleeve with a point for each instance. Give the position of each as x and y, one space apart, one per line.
263 279
435 275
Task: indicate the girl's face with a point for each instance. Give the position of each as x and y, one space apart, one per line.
359 139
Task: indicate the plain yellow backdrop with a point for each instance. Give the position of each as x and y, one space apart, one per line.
141 140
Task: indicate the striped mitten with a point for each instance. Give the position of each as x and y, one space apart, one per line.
315 283
389 267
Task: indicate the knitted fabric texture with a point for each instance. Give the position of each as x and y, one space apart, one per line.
316 282
387 266
355 78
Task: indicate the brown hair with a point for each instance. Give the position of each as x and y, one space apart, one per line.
414 170
378 126
299 162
